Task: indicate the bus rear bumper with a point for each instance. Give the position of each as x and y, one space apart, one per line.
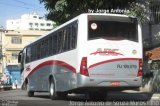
85 81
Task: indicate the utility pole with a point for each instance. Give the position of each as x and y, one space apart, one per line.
1 55
2 51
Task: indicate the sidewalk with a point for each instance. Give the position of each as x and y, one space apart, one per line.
145 91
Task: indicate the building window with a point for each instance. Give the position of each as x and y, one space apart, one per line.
14 55
30 28
16 40
48 24
34 16
155 12
36 29
30 23
36 24
42 24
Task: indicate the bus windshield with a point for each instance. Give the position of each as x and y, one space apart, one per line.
112 29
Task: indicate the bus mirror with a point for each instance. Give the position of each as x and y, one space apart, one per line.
19 57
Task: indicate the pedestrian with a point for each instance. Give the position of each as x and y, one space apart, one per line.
16 83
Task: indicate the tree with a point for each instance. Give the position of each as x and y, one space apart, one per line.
63 10
140 9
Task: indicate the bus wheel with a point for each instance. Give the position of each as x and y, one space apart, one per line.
62 95
97 96
30 93
53 93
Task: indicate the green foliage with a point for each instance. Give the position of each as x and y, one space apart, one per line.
139 10
61 11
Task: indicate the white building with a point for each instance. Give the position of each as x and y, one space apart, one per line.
30 22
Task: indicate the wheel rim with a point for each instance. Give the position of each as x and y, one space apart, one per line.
51 89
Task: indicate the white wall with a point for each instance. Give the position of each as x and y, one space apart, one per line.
23 23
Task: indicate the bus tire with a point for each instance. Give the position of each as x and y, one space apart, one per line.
52 91
62 95
30 93
98 96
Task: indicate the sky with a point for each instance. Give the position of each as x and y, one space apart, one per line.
13 9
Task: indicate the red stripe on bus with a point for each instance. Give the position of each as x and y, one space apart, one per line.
113 60
53 62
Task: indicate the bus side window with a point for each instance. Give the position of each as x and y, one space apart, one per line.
65 40
54 44
60 44
46 46
21 60
69 38
38 51
42 50
50 45
74 36
33 52
28 55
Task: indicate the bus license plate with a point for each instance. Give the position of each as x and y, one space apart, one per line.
116 83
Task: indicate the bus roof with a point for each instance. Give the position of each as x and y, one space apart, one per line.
76 18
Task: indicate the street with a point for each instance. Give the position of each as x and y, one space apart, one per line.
19 98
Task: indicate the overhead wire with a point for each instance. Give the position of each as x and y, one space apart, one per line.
29 4
25 5
7 4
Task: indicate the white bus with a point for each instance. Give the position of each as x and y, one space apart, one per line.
92 53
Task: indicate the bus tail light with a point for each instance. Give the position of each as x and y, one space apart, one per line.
140 73
83 67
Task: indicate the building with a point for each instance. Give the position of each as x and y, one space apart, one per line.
13 42
19 33
16 40
30 22
151 43
151 30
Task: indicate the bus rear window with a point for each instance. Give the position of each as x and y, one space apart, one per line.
112 30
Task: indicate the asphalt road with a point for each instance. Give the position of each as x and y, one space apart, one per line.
19 98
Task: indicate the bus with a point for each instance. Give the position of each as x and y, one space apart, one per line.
91 54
